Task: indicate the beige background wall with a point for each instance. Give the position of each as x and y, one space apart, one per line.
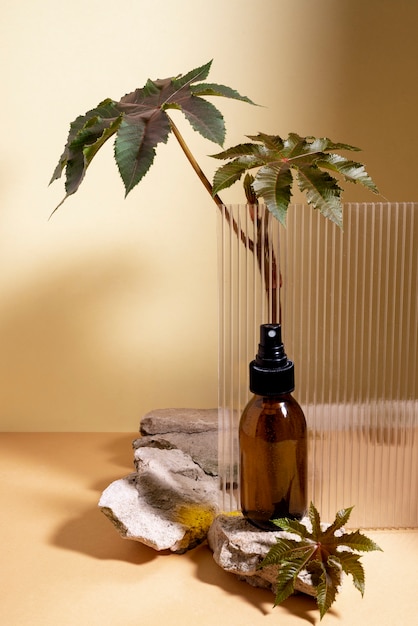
110 308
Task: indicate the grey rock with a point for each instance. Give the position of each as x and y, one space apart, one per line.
161 421
169 503
239 547
202 447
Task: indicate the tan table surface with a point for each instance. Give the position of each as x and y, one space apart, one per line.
63 563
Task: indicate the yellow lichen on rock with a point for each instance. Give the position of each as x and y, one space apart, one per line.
198 519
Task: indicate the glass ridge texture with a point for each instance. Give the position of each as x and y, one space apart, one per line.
348 306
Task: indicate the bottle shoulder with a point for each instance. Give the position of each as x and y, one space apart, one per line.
282 403
281 414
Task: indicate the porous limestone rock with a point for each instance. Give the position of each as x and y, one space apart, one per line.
161 421
202 447
239 547
169 503
195 431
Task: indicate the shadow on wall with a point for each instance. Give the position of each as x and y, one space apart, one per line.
68 344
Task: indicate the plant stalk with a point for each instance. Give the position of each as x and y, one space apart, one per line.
276 314
216 198
195 165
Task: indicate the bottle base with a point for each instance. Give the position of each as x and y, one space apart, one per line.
264 526
267 524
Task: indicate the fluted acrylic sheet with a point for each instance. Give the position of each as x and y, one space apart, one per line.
348 305
249 275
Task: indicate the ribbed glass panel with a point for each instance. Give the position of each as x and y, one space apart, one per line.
249 257
349 314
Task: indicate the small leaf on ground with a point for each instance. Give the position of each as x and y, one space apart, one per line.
325 553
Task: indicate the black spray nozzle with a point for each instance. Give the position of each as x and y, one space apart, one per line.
271 373
270 349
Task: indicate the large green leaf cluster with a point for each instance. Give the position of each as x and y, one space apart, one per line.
311 159
140 122
326 553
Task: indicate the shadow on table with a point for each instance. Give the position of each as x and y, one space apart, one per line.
210 573
93 535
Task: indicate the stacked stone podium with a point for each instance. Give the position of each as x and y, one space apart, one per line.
171 500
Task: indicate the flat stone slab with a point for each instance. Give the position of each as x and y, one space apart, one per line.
195 431
161 421
171 501
239 547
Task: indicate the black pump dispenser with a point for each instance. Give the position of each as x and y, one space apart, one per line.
271 372
272 438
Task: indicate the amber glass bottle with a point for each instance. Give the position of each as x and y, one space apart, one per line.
272 438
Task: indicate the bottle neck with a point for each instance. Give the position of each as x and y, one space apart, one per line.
276 399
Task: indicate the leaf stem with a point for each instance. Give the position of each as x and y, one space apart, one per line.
216 198
248 242
195 165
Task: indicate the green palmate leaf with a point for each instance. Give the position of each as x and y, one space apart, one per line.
288 549
85 130
135 150
228 174
295 146
213 89
315 569
244 149
322 192
308 157
352 171
285 587
140 122
270 142
274 183
315 520
135 145
292 526
286 581
350 564
74 174
199 73
323 144
341 519
75 128
85 146
248 188
357 541
87 135
205 119
323 554
90 150
327 588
